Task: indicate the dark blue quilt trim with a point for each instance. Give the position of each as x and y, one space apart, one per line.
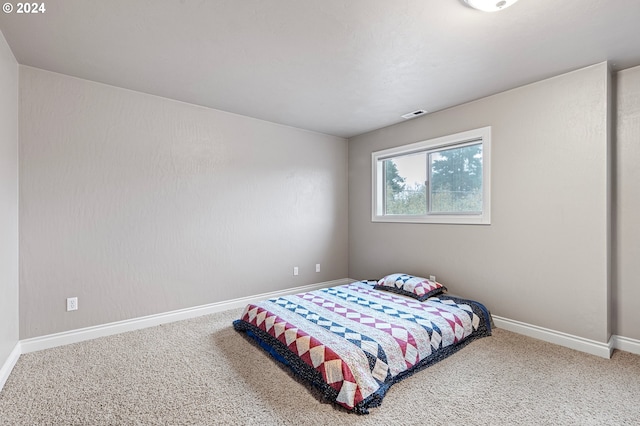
280 352
375 399
478 308
484 330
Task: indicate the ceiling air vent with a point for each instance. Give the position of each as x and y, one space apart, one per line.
413 114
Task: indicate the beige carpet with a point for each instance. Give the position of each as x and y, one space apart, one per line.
202 372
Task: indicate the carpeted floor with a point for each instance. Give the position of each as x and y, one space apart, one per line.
202 372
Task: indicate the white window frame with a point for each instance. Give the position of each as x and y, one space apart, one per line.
450 141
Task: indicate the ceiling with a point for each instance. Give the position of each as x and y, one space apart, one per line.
341 67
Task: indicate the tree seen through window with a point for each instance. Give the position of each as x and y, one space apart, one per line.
455 182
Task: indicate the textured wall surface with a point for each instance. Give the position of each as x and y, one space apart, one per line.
8 201
544 258
139 205
627 205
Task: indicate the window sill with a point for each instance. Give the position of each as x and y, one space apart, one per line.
436 219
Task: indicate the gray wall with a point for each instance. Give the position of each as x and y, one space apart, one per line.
544 258
141 205
8 201
626 293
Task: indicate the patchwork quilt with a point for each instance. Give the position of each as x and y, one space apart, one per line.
353 341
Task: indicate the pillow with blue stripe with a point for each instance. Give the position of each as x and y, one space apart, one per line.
416 287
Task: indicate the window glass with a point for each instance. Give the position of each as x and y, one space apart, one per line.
405 189
442 180
456 180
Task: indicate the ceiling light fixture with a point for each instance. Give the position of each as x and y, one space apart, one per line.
490 5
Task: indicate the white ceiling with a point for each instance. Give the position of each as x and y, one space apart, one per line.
341 67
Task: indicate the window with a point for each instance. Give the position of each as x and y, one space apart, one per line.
442 180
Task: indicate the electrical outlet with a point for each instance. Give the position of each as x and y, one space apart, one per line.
432 278
295 270
72 304
317 267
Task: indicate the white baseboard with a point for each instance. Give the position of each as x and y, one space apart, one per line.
73 336
88 333
589 346
8 365
626 344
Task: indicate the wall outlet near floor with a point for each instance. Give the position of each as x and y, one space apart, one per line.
432 278
317 267
295 270
72 304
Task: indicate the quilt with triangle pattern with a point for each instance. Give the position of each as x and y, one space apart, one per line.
353 342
